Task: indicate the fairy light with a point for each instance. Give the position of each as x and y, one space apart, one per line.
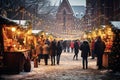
13 29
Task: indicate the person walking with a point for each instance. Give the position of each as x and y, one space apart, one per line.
72 46
35 58
38 50
59 51
64 45
99 51
45 53
40 55
76 50
48 42
53 52
85 51
68 46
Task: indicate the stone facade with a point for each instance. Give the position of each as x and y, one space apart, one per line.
65 18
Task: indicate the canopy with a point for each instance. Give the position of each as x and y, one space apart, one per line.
6 21
36 31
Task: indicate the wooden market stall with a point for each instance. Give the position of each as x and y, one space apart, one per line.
108 39
14 56
114 56
107 36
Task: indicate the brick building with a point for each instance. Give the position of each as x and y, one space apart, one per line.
68 19
64 17
101 12
116 10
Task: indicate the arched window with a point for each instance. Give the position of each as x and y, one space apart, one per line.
64 12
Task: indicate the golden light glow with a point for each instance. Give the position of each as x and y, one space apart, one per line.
18 32
13 29
85 36
14 45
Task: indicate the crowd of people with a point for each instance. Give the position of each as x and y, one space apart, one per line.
52 50
46 49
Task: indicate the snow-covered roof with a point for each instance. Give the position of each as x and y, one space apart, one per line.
116 24
36 31
21 22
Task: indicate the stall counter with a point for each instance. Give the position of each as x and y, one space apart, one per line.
15 61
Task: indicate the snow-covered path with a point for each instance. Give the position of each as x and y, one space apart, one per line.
68 69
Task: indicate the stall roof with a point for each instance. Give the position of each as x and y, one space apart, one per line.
20 22
116 24
6 21
36 31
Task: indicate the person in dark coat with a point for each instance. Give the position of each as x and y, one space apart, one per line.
59 51
64 45
68 46
53 50
85 51
76 50
40 55
99 48
45 53
48 42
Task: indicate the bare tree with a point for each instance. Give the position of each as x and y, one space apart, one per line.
22 6
39 11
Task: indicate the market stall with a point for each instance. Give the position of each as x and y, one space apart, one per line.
108 39
106 33
114 56
14 52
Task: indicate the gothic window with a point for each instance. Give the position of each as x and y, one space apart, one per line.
64 12
64 19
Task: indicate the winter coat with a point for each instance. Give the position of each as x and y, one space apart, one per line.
72 44
76 47
45 49
53 48
99 47
59 48
64 44
85 48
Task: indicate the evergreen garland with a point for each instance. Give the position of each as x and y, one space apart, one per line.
114 56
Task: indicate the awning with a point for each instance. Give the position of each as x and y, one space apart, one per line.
36 31
6 21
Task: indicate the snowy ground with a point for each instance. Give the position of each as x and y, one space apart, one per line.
68 69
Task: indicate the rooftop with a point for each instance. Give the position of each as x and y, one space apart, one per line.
116 24
79 11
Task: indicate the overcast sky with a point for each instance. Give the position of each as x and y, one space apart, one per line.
72 2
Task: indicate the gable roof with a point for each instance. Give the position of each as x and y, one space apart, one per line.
65 3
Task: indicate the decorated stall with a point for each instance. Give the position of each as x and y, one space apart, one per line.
14 52
114 56
106 33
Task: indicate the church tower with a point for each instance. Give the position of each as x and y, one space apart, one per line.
64 18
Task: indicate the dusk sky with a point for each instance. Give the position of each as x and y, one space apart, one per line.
72 2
